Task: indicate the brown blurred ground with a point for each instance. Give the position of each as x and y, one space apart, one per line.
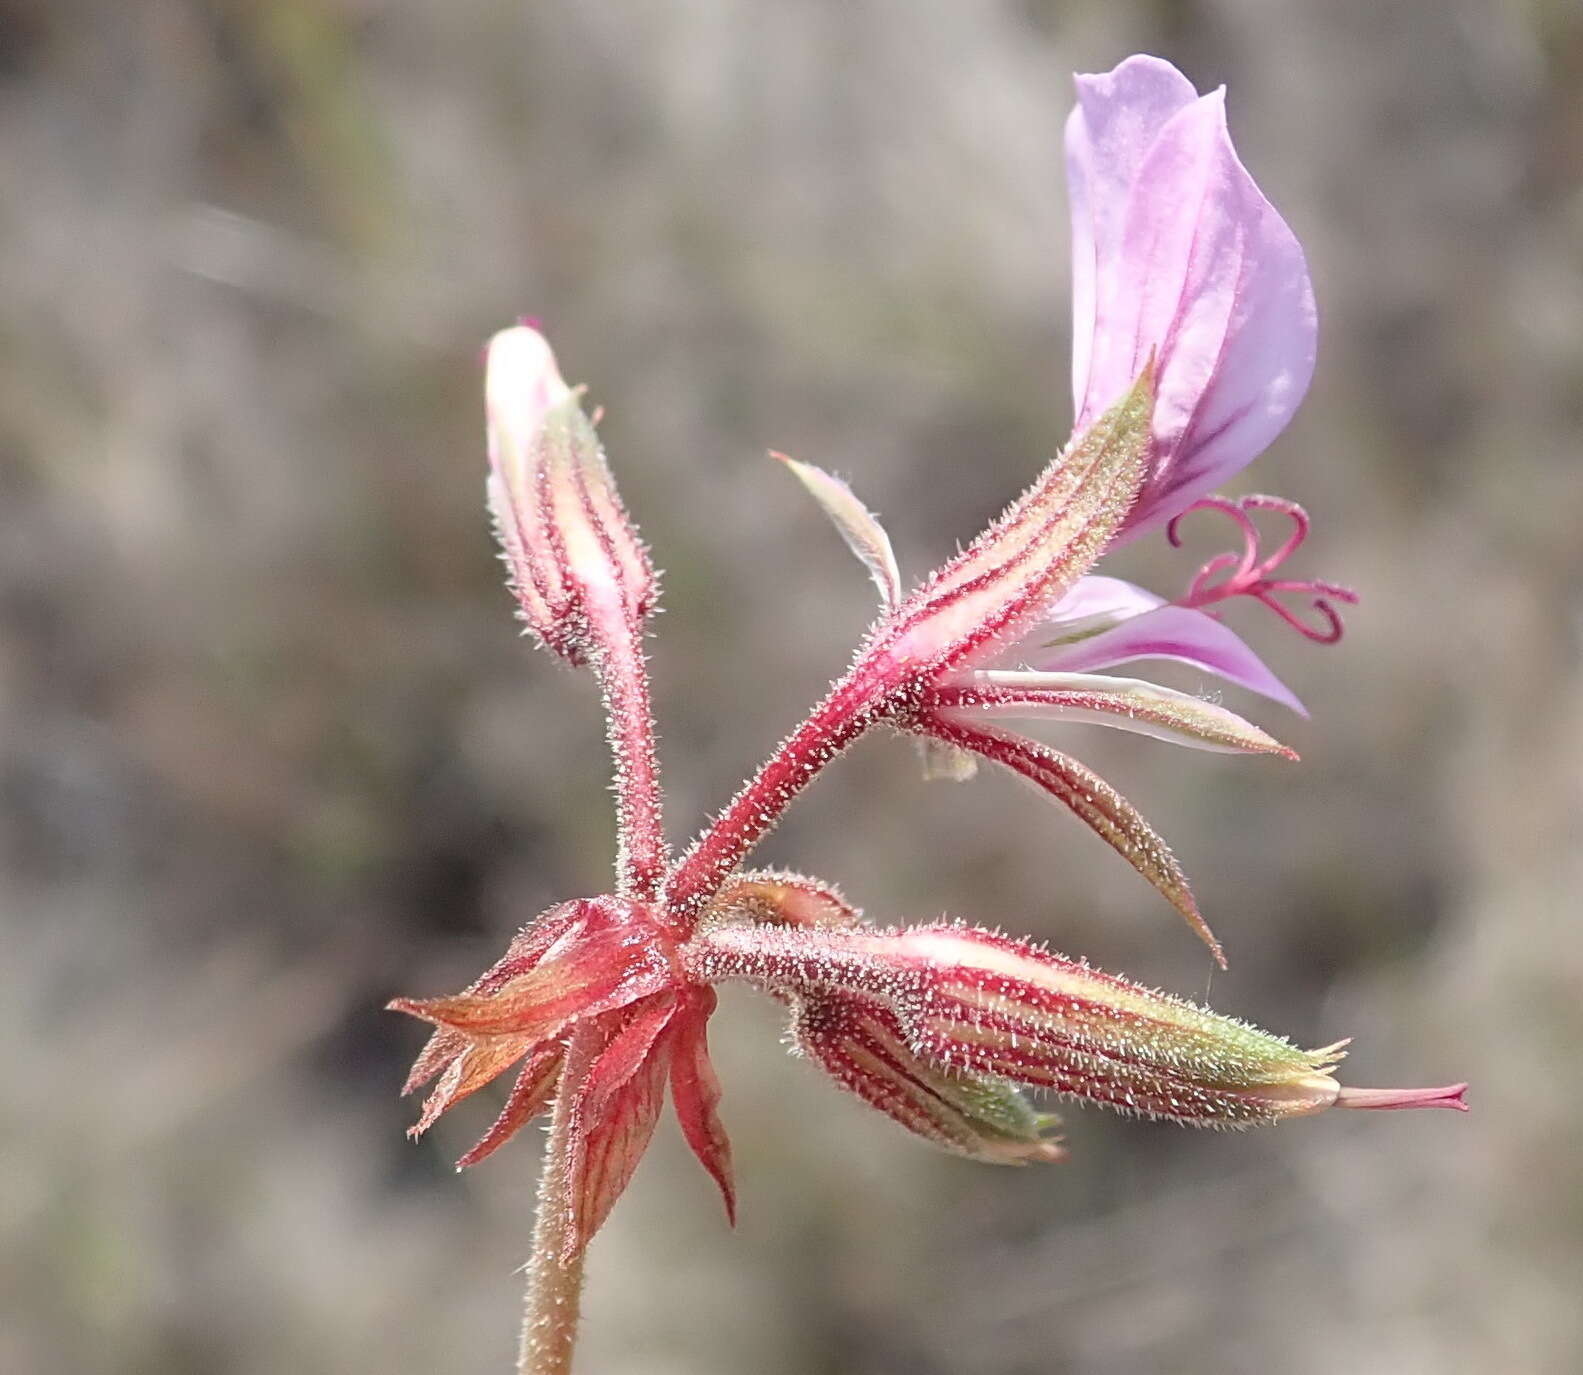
270 749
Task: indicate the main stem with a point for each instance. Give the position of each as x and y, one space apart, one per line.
555 1286
553 1300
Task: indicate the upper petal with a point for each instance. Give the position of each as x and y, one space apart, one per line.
1177 253
1118 117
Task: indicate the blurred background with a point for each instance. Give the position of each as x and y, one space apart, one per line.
271 749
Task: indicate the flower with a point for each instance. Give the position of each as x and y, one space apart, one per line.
1176 252
1194 343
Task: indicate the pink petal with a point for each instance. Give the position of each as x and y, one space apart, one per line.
1177 254
1169 632
1097 596
1118 118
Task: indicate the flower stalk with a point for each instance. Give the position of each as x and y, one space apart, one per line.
641 855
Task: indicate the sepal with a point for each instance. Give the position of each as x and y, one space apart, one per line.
857 525
579 962
695 1093
861 1043
613 1116
602 964
994 1005
531 1094
1129 704
1092 800
783 898
1042 544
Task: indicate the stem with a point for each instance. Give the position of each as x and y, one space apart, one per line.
846 712
641 854
555 1286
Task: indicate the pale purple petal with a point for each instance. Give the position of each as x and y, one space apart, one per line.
1119 117
1178 254
1170 632
1098 598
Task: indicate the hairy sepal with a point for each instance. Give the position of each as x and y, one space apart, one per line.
605 963
1092 800
524 952
695 1093
1047 539
861 1043
1005 1007
782 897
580 961
613 1116
857 525
531 1094
1129 704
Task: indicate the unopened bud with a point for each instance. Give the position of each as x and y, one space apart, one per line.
1000 1006
862 1044
575 558
973 1006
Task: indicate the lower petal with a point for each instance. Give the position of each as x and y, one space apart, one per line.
1168 632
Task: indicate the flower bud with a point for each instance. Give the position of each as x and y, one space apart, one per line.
914 1019
993 1005
861 1043
576 562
